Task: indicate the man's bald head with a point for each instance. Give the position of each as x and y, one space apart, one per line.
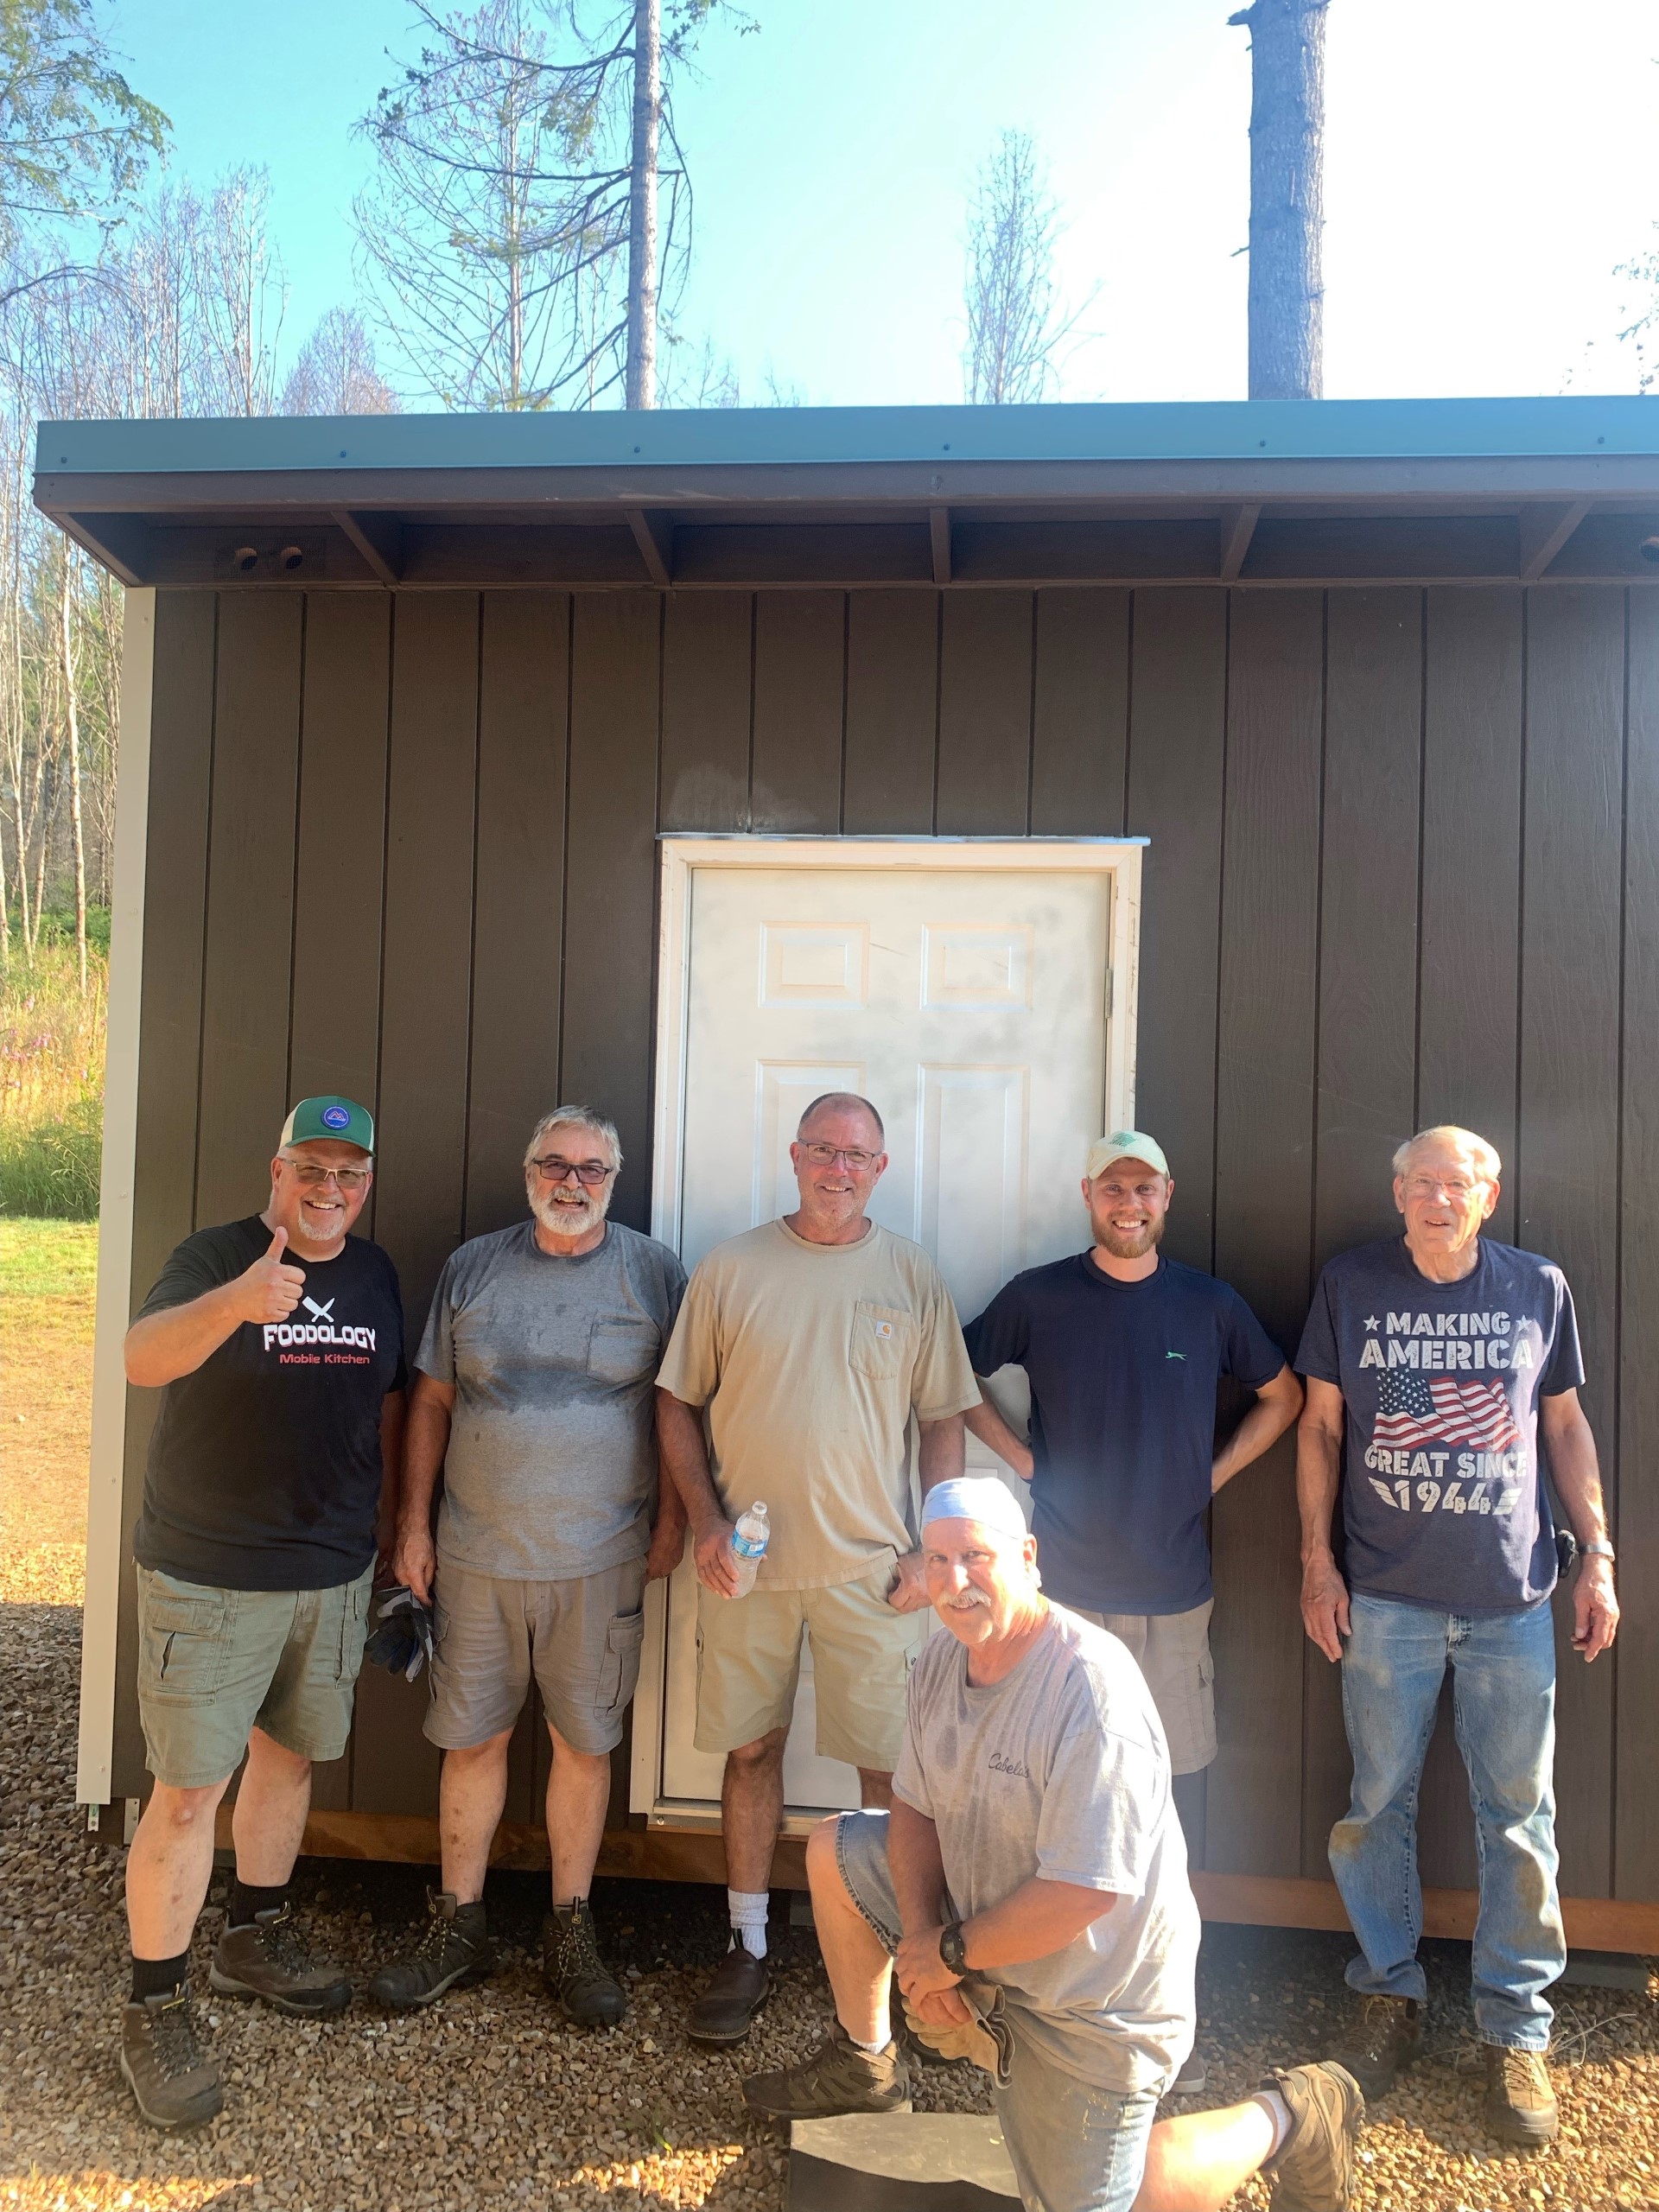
838 1104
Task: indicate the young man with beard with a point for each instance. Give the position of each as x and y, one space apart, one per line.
278 1345
533 1396
1029 1887
1123 1350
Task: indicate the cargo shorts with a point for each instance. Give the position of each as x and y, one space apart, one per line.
580 1638
213 1664
1172 1652
749 1666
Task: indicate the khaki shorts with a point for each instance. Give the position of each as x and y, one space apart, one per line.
749 1661
580 1638
1172 1652
213 1664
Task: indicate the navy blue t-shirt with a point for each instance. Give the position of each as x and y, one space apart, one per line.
1123 1379
1443 1500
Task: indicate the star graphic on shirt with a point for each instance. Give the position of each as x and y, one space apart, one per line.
1370 1320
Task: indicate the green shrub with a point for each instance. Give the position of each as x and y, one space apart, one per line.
50 1168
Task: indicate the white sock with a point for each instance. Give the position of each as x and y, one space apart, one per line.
1278 2112
874 2050
748 1911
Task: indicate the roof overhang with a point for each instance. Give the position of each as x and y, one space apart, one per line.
1252 492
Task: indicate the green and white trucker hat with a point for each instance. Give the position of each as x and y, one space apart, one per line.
1125 1144
341 1119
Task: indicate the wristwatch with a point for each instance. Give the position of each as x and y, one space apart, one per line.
1599 1549
951 1950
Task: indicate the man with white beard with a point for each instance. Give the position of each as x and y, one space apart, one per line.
533 1396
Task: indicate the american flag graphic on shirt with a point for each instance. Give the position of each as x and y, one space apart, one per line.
1414 1409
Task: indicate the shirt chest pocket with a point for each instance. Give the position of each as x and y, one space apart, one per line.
623 1351
883 1338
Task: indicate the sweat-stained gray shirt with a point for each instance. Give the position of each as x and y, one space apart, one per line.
551 1469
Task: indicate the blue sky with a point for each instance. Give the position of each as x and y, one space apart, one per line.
1488 164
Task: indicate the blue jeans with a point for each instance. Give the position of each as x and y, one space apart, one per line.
1504 1702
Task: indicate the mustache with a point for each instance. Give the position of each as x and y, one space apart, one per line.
967 1599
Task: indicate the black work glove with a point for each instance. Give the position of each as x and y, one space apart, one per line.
402 1643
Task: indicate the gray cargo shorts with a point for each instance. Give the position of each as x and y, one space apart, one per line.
580 1637
1172 1652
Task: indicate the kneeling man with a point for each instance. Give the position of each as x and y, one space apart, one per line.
533 1394
1032 1874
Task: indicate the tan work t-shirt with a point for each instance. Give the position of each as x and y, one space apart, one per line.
811 1359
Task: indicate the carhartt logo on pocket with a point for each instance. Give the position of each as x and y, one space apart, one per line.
884 1328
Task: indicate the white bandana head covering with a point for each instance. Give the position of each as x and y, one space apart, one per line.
984 1498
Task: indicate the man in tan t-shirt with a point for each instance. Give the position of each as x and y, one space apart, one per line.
811 1341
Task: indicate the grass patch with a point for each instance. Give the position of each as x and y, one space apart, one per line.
51 1085
46 1262
48 1275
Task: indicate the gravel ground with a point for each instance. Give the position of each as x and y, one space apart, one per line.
490 2101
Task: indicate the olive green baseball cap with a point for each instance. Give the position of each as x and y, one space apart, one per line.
1125 1144
340 1120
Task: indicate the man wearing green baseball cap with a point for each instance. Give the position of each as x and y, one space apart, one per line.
277 1343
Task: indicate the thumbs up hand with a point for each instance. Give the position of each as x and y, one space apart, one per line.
269 1291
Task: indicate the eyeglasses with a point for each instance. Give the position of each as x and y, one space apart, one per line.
1430 1186
826 1155
588 1173
346 1179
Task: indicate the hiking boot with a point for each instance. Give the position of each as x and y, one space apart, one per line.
173 2082
1520 2103
740 1986
269 1959
1312 2169
574 1971
838 2078
454 1952
1383 2037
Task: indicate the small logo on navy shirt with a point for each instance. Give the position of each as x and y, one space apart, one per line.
1175 1355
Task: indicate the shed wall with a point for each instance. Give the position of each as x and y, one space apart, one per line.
1404 867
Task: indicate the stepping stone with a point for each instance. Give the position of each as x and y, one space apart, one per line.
900 2162
1605 1970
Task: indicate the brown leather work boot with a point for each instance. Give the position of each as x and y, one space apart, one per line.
269 1959
839 2077
1312 2169
174 2083
726 2010
1382 2038
1521 2105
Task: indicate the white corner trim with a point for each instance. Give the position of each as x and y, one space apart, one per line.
1118 857
106 1540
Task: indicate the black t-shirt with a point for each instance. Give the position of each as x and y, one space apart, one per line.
1123 1379
264 1468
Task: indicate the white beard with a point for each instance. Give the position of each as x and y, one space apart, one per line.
568 1223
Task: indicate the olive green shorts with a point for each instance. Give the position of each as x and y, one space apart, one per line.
214 1664
749 1663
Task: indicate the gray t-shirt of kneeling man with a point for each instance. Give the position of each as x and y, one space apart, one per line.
1061 1770
551 1469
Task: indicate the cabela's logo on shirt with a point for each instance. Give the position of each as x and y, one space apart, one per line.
1000 1763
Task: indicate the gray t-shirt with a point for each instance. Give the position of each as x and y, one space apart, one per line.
1061 1770
551 1468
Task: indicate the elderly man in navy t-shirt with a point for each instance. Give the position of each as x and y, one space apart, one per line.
1436 1361
1123 1350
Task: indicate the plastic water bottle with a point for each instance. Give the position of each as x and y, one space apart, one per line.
748 1547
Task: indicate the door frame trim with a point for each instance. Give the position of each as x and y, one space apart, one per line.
681 856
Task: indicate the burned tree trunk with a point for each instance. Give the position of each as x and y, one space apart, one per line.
1286 298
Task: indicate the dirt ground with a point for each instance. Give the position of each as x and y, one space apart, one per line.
490 2100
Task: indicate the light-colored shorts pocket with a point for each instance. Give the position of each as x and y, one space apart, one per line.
620 1675
183 1639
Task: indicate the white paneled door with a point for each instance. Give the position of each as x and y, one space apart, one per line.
966 990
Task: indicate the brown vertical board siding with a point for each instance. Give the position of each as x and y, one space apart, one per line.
335 1044
1471 940
610 926
1568 1156
1636 1854
247 967
1175 779
517 949
800 641
893 712
1368 1015
985 663
1264 1184
708 664
1080 722
426 1013
175 890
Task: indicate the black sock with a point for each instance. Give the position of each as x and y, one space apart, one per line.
247 1899
159 1977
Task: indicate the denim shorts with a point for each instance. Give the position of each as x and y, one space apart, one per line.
214 1664
1074 2147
